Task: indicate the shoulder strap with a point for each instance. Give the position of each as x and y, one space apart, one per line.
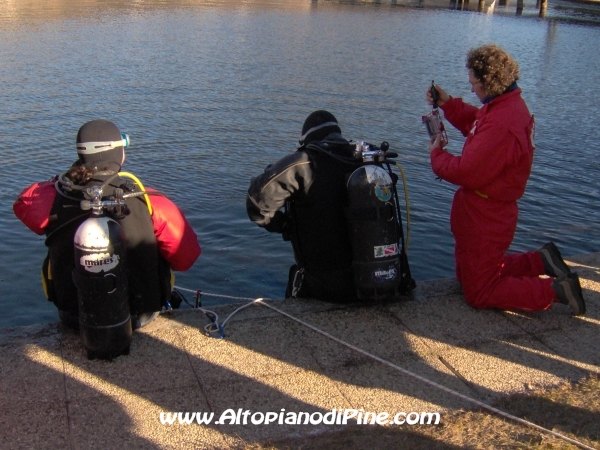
329 148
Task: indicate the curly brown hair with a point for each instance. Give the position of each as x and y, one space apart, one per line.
79 174
493 67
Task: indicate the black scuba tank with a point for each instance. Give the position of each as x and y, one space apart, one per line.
374 232
101 280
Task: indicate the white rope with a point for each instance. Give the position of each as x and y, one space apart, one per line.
215 326
394 366
214 295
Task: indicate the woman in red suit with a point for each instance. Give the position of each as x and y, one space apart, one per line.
492 172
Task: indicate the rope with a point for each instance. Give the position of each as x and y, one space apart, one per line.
427 381
215 326
407 203
393 366
208 294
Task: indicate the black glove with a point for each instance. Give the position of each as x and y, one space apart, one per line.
278 223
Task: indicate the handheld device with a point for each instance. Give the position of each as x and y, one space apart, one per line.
433 121
434 94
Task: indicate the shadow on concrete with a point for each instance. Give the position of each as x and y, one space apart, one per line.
56 398
556 416
381 438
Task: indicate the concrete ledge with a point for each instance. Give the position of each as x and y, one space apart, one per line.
54 397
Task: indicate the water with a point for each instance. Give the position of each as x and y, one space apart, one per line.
211 92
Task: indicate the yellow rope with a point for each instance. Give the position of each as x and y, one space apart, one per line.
407 205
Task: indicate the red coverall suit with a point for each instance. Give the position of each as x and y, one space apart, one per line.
492 172
176 240
164 232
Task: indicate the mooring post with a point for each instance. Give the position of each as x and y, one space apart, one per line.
543 6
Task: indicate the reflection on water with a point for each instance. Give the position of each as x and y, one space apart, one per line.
25 10
211 92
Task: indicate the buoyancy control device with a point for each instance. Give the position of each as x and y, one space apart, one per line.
101 279
379 256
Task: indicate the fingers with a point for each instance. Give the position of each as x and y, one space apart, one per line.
428 97
438 141
435 141
442 95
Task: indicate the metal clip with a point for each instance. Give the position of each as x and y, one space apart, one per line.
215 326
167 309
297 283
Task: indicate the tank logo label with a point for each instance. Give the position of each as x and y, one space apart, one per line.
99 262
383 192
385 250
385 275
382 181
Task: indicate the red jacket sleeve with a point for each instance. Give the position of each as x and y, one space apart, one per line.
498 152
33 205
460 114
484 157
176 239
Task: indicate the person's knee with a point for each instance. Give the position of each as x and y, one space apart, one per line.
477 303
475 295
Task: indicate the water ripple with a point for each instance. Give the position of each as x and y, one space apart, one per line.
211 92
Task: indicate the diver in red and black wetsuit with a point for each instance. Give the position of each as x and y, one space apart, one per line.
158 236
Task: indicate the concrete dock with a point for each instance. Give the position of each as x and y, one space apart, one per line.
318 362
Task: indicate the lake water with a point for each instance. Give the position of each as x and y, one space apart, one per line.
211 92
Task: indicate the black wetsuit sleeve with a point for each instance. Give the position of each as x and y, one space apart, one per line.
290 176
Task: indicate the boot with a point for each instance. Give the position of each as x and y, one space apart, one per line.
568 292
554 265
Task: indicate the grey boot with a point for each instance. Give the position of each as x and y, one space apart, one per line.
568 291
554 265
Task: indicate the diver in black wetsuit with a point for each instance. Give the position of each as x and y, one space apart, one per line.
303 196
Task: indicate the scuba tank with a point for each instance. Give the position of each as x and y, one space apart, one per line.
379 259
101 279
378 255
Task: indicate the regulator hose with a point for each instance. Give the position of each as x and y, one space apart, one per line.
140 185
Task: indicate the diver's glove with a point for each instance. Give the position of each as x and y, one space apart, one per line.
278 223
